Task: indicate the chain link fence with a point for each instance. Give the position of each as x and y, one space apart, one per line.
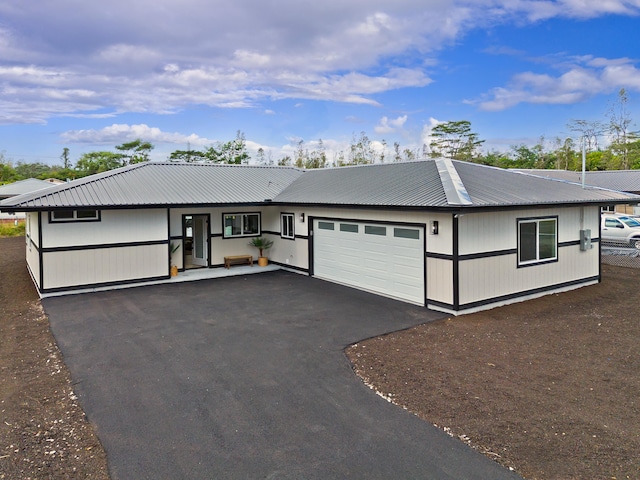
621 255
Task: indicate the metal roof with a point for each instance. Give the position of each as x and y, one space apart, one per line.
620 180
410 184
23 186
164 184
436 183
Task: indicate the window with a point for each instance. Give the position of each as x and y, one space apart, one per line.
287 226
74 216
374 230
241 225
349 227
406 233
325 225
537 241
609 209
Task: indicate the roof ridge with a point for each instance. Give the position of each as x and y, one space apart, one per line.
454 188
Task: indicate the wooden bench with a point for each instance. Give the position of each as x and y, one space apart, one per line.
237 259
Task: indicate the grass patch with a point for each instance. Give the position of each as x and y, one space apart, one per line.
11 230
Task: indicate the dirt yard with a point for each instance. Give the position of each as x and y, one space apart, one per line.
549 387
44 433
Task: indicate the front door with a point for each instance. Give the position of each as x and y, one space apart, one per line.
200 240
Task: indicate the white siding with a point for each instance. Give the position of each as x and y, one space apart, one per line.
440 280
115 226
487 278
104 265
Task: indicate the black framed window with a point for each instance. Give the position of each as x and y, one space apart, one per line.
241 225
287 226
537 240
83 215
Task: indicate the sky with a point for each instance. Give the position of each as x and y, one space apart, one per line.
189 73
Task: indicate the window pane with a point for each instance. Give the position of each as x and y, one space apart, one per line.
251 224
287 226
406 233
374 230
62 215
232 225
528 241
87 214
325 225
547 239
349 227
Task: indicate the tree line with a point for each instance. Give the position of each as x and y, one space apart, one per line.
452 139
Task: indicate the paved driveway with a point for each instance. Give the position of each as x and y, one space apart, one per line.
246 378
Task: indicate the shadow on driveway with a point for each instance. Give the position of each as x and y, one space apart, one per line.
245 377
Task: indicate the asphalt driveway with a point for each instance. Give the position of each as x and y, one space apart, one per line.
245 377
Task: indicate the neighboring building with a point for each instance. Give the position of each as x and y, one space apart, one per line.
453 236
619 180
19 188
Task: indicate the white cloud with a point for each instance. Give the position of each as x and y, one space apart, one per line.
166 55
387 125
584 78
120 133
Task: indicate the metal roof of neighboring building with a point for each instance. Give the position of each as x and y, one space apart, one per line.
23 186
436 183
620 180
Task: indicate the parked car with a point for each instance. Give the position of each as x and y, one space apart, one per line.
621 229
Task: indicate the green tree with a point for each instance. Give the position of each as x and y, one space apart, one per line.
231 152
189 156
32 170
455 140
135 152
97 162
66 162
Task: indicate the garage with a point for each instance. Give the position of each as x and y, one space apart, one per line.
381 258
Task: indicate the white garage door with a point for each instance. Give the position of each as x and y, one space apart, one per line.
385 259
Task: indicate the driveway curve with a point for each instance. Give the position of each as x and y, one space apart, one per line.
245 377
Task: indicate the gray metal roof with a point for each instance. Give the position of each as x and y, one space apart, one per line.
424 184
23 186
620 180
411 184
164 184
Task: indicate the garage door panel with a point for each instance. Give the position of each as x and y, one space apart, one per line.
386 259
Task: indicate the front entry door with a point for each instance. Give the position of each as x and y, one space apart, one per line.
200 240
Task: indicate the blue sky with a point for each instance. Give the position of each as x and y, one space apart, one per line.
178 73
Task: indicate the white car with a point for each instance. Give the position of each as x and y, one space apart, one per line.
621 229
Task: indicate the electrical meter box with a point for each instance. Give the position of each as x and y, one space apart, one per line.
585 240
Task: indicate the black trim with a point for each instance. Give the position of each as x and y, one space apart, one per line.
302 237
311 221
104 245
292 267
175 237
169 240
440 256
524 293
495 253
104 284
265 232
456 262
216 235
224 237
40 252
75 219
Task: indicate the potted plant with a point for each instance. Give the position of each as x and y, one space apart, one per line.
261 244
173 248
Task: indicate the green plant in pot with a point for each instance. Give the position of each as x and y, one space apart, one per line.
261 244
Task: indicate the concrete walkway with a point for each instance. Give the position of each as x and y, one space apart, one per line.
246 378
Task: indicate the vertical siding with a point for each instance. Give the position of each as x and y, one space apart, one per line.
486 278
115 226
104 265
439 280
